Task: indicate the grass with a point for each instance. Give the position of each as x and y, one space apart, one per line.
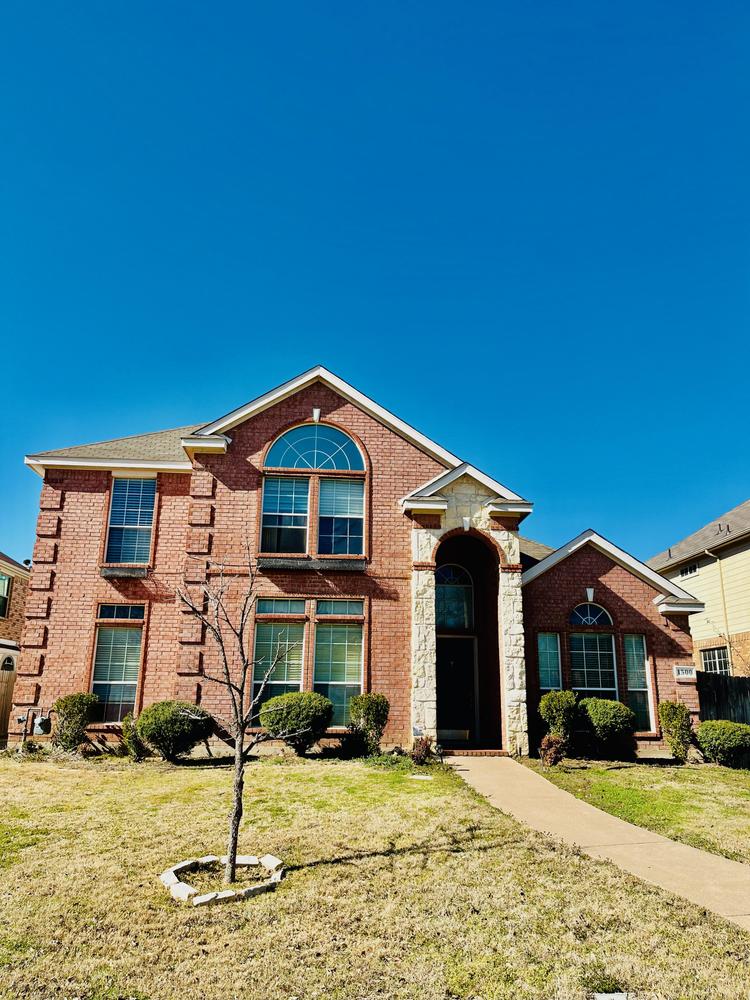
397 890
704 806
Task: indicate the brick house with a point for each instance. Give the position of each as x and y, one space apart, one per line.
14 580
385 563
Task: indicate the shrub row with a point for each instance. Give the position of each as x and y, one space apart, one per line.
726 743
597 726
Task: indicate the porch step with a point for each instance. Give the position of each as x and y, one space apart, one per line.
457 752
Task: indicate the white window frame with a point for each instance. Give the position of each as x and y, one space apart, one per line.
689 569
717 649
649 686
559 663
611 637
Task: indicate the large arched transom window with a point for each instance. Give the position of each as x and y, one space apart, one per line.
454 598
315 446
590 614
334 486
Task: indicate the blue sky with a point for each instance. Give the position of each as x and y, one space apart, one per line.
522 227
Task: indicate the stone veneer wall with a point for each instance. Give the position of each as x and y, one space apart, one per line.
467 499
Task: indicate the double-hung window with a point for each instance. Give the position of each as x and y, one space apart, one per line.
338 666
592 664
341 516
131 517
5 585
284 527
278 659
636 665
117 660
548 655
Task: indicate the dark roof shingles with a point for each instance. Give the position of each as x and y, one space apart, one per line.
734 524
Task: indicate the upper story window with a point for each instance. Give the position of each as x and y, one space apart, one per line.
590 614
689 570
131 517
454 598
339 500
315 446
5 585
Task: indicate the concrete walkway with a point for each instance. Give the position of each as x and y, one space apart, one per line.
712 882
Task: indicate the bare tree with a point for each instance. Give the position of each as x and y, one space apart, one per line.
224 604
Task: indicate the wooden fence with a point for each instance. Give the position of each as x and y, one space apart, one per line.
7 680
724 697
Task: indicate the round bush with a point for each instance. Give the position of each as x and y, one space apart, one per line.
74 713
299 718
368 715
611 723
558 709
173 728
726 743
677 728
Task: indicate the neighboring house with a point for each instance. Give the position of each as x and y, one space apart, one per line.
385 563
14 581
714 563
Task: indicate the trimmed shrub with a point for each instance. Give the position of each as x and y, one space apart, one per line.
726 743
552 749
173 728
677 728
135 748
611 724
74 713
421 750
299 718
558 709
368 715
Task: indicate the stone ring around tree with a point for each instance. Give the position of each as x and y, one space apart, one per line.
184 892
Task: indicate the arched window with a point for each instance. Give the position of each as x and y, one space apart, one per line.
8 663
315 446
590 614
454 598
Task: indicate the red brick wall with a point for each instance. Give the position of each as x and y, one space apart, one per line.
12 625
549 599
210 515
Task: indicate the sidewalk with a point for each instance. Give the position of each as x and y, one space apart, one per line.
712 882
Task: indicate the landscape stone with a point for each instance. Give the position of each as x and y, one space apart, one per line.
270 862
182 891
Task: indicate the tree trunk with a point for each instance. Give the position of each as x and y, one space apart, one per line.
236 813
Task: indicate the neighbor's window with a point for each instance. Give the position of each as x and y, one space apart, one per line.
284 526
454 598
638 694
689 570
592 665
715 661
117 660
8 664
590 614
315 446
548 653
341 517
5 585
131 517
338 666
278 645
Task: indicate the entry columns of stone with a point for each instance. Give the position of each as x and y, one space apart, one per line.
423 650
512 660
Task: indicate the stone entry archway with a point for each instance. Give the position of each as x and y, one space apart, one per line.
467 660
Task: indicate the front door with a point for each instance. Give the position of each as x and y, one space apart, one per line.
457 708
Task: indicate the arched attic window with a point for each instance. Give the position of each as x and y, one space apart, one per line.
454 597
334 482
590 614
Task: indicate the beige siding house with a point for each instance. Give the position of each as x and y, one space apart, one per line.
714 564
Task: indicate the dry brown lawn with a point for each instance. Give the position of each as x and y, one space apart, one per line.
397 889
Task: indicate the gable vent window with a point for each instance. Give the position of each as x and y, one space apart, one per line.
690 570
131 518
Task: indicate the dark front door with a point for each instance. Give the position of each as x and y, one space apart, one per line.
456 689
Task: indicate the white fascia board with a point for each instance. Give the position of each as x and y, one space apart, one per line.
509 506
40 462
10 570
667 607
321 374
215 443
426 506
619 555
464 469
10 645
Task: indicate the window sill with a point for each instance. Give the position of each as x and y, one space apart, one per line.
346 564
124 571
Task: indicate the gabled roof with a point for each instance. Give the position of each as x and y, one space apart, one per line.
671 599
159 450
433 487
724 530
13 564
533 549
322 375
